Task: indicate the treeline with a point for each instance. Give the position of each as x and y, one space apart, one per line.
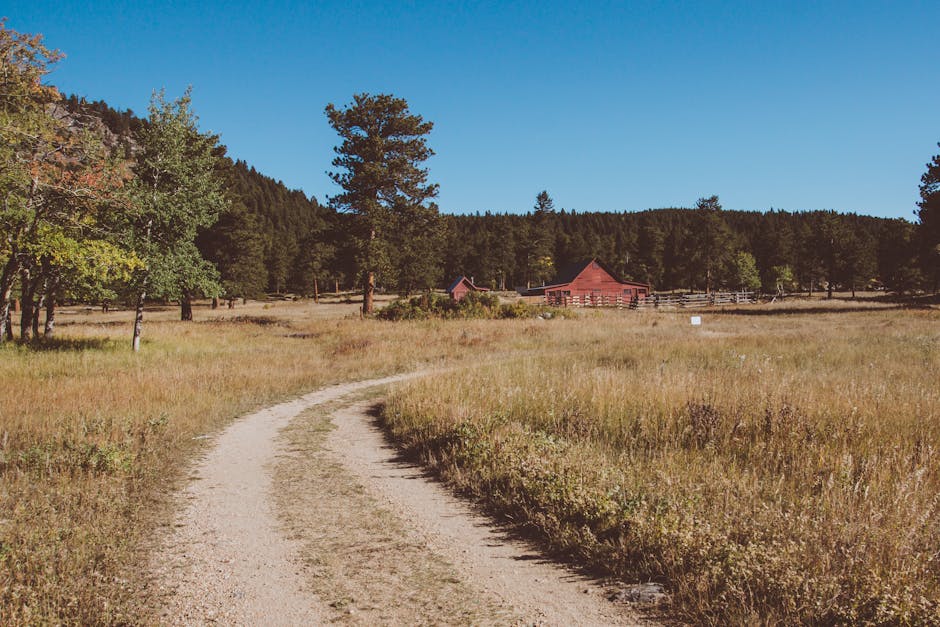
690 249
274 240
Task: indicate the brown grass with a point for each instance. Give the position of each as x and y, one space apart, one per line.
773 469
768 468
92 436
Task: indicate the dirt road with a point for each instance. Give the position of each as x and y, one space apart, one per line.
302 514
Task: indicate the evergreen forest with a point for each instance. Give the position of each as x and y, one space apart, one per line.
275 240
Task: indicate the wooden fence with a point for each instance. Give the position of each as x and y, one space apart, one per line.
655 301
597 300
691 301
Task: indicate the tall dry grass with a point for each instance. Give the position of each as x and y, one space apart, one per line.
773 469
92 436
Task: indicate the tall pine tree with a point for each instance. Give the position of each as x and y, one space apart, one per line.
379 168
928 229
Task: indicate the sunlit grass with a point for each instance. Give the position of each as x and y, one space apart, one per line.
92 435
775 469
765 467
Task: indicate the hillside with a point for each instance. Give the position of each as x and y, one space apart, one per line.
276 239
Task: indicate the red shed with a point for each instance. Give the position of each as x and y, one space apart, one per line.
463 286
589 283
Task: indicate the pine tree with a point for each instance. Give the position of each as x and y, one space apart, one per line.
928 229
235 245
710 241
379 168
539 260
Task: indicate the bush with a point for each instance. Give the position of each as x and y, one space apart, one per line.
475 305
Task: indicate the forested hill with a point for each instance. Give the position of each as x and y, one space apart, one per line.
271 239
285 235
274 239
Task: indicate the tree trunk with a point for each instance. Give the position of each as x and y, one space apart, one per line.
829 290
186 308
37 309
368 293
139 310
49 328
337 286
316 291
138 321
28 288
7 278
215 302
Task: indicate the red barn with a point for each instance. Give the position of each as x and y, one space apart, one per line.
592 284
463 286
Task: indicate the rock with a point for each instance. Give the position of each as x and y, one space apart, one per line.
646 593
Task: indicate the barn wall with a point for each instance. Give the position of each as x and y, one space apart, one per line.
595 287
460 291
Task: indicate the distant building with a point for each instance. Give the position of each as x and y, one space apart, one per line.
589 284
463 286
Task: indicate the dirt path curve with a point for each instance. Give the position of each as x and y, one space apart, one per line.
226 559
538 591
229 558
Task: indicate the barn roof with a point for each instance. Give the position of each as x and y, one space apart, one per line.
571 272
470 284
457 282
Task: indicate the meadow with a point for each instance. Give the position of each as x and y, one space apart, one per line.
93 438
769 468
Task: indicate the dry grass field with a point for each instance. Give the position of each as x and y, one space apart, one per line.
777 468
773 466
92 436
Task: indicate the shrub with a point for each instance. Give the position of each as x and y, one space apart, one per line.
475 305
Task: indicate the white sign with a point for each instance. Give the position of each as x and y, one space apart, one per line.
696 321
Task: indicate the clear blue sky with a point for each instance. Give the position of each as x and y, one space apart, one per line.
609 106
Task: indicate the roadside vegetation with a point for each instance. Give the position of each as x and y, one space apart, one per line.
767 469
93 436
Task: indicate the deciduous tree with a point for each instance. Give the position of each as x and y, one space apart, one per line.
56 179
178 189
746 276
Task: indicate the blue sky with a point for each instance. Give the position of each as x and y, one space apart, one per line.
610 106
